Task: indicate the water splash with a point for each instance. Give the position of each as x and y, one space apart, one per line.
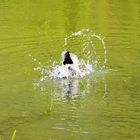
78 69
66 82
88 46
89 62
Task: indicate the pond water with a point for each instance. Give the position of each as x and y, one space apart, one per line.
103 105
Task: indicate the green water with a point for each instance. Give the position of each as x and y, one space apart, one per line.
105 107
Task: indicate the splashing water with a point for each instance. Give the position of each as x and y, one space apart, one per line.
71 75
78 69
89 62
88 47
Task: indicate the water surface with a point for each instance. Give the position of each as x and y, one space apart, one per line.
102 106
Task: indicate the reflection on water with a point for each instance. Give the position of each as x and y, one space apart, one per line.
70 94
71 89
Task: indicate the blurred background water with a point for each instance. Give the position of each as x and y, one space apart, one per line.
103 106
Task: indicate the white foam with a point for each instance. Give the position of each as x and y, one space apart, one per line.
78 69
